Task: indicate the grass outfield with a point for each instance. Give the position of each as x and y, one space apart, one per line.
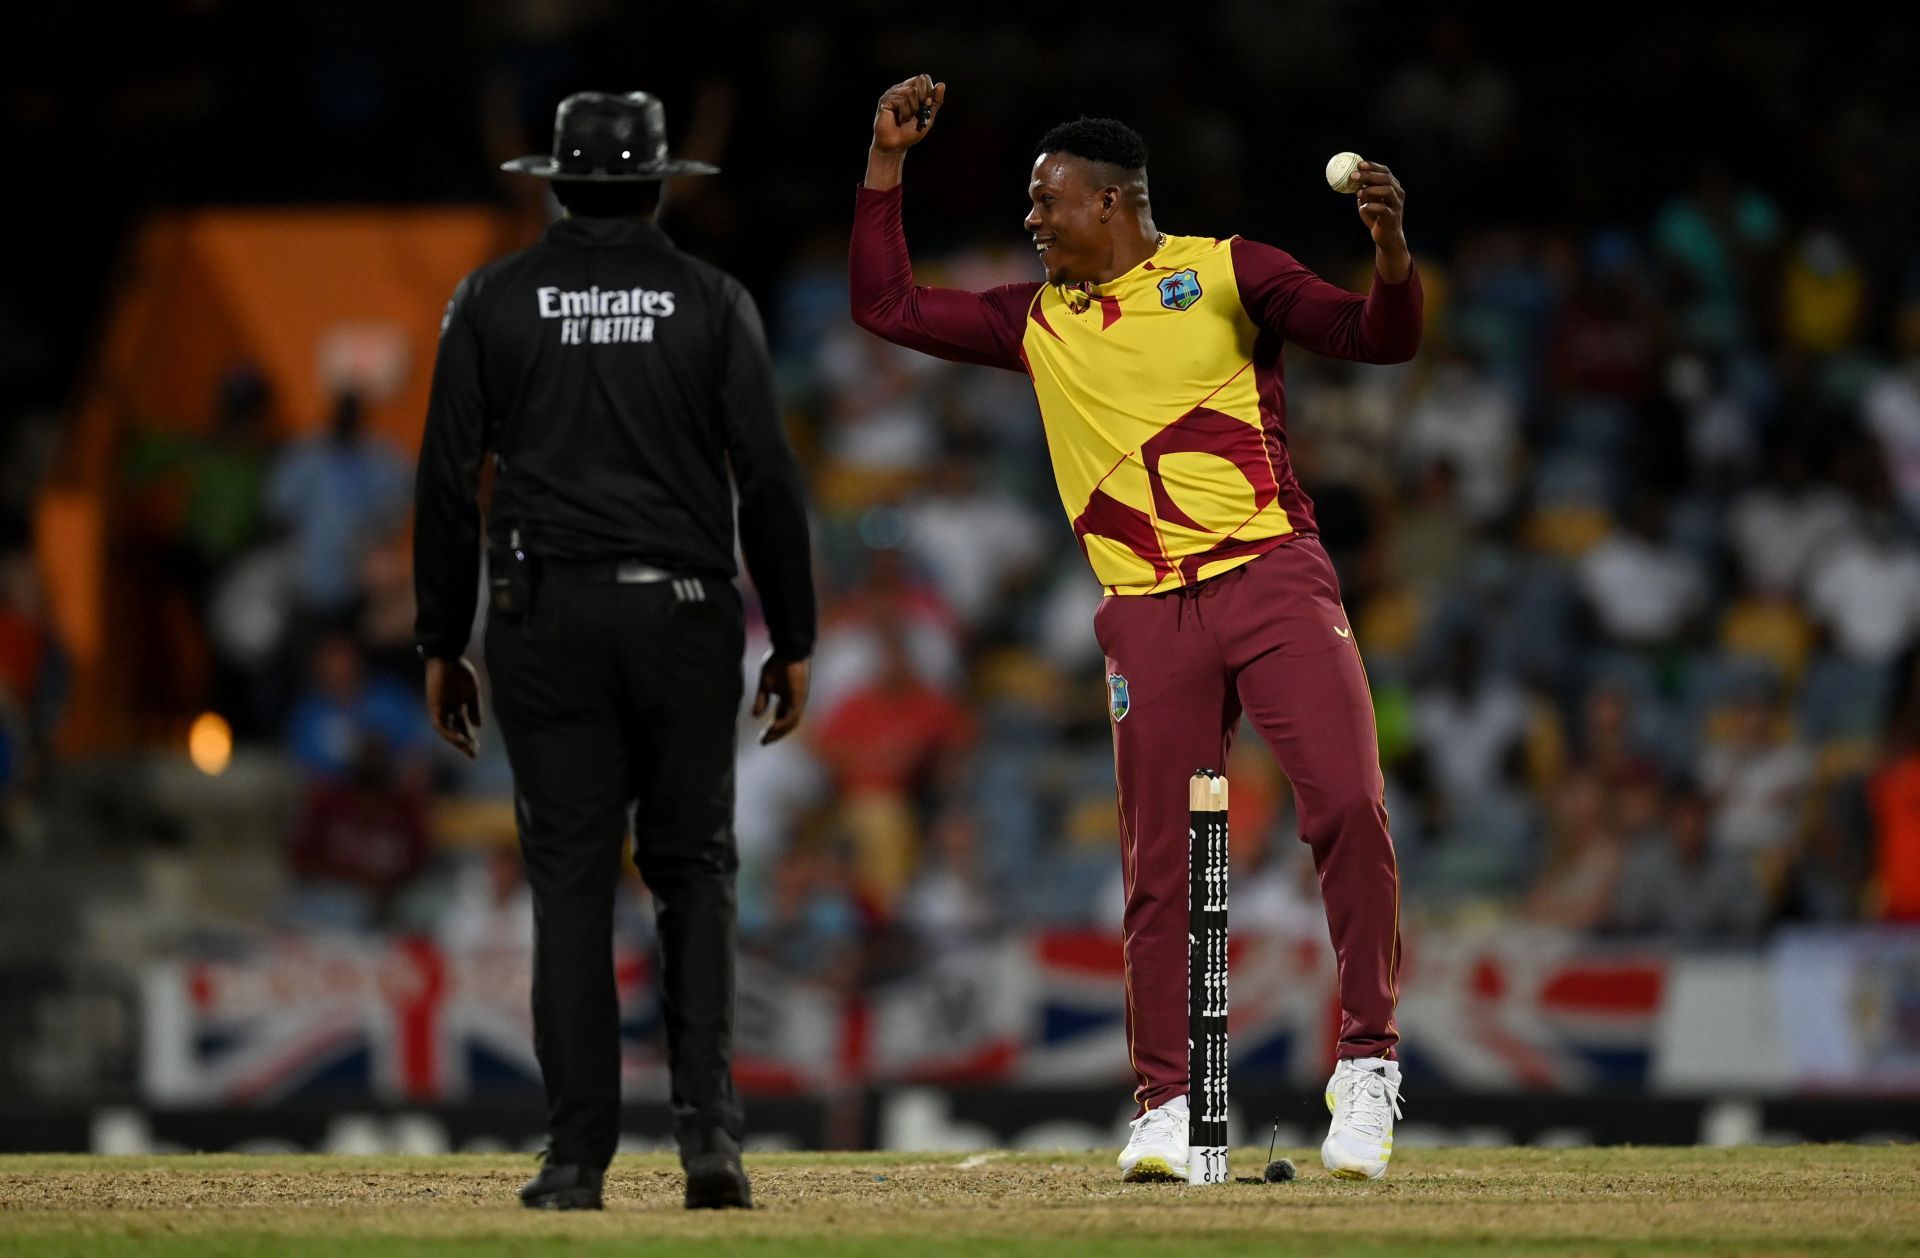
1596 1201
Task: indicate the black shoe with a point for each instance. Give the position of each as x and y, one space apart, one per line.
717 1182
715 1178
563 1187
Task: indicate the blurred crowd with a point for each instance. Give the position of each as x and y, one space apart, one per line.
1632 550
32 679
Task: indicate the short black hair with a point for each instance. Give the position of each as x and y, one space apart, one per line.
1097 140
586 198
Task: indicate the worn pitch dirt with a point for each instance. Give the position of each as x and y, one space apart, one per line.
1591 1201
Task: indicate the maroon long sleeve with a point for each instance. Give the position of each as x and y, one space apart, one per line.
1285 297
963 327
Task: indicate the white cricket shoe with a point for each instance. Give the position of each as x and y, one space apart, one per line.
1156 1153
1364 1096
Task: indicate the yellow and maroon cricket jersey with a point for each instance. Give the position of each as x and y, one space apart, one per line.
1160 389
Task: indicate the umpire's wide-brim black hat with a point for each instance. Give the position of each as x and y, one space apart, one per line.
609 137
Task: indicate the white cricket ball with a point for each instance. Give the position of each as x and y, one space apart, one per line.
1341 170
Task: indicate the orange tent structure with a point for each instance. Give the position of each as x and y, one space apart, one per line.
307 295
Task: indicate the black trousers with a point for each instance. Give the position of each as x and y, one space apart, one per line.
620 701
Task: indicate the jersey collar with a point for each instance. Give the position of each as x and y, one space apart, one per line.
606 232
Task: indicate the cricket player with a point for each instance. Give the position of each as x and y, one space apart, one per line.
1156 360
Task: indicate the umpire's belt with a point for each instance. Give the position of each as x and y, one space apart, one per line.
606 572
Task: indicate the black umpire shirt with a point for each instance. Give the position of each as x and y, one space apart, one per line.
615 381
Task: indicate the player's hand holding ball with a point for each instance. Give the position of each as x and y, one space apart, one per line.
1382 203
1381 199
906 112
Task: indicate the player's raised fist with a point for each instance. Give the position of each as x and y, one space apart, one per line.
906 113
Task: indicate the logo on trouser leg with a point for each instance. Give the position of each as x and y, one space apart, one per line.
1116 696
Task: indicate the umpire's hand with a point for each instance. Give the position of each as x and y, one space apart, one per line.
784 682
453 703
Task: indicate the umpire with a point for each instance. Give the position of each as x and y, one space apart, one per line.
618 385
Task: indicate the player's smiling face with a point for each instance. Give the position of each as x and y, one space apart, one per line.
1065 219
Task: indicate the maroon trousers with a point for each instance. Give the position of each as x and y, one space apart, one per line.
1269 638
